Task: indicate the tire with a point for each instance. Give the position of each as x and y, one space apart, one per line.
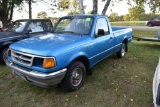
152 105
158 96
121 52
3 56
75 76
150 24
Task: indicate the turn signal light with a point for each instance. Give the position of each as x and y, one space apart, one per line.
49 63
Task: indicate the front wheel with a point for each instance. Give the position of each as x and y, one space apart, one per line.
122 51
150 24
3 55
75 76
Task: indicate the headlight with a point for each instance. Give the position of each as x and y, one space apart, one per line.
49 63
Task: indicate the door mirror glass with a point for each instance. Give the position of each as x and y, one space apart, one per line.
100 32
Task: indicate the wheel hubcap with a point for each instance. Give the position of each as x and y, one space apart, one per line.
123 50
76 77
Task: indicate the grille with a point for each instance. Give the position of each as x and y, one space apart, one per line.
22 58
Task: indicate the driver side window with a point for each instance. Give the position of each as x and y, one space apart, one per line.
101 27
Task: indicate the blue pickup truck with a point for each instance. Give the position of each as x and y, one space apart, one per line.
67 54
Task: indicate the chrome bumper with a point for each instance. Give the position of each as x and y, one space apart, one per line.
37 78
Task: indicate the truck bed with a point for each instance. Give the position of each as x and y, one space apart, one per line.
119 30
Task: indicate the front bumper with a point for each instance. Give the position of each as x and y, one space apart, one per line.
37 78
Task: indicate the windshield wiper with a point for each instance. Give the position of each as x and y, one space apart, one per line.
65 31
72 32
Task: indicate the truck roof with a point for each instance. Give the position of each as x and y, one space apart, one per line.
30 19
93 15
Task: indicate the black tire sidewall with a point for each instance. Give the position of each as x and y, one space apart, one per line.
67 79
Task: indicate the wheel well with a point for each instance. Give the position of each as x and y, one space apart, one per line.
126 43
84 60
3 47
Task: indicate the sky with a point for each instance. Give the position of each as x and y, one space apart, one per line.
121 8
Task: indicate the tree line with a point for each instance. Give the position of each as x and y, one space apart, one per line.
7 6
136 13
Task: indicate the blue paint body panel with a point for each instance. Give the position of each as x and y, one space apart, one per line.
66 47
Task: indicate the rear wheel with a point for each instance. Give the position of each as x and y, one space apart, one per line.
122 51
3 55
75 76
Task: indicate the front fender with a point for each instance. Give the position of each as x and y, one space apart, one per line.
65 59
76 56
5 43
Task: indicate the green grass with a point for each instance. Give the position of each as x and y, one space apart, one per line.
129 23
145 33
125 82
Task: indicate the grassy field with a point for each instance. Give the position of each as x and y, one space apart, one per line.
129 23
125 82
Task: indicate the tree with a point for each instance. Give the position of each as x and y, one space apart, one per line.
126 17
95 7
81 7
113 16
6 9
42 15
49 4
54 19
107 3
135 13
68 5
30 9
106 7
153 4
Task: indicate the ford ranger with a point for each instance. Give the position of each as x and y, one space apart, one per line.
67 54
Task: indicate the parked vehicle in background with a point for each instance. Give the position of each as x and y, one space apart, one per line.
22 29
154 22
76 45
156 87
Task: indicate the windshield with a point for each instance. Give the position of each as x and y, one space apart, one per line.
77 24
17 26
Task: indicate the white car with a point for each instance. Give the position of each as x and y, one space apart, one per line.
156 87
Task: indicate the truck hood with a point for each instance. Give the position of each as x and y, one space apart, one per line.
8 35
49 43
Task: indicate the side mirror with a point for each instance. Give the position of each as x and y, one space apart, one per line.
100 32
